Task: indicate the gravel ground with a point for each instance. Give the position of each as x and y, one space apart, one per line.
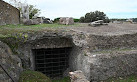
110 29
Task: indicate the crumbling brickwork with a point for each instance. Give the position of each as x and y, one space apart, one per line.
8 14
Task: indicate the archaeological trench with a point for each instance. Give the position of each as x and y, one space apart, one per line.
57 52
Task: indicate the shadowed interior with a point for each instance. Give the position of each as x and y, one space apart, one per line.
52 61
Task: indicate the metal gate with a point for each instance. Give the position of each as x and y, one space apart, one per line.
52 61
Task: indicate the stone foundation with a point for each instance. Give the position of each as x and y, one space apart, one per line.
98 57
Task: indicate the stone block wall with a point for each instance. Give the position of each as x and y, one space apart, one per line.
8 14
99 43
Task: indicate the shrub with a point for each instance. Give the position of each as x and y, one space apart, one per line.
94 16
76 20
65 79
56 20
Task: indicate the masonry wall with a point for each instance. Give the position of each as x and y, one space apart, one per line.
8 14
98 57
99 43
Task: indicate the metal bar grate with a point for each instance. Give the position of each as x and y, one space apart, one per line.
52 61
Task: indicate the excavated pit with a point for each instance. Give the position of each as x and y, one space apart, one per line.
98 55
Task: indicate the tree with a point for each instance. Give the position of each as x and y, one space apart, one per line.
56 20
33 11
87 17
76 20
94 16
82 19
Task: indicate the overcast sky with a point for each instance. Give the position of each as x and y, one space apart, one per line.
77 8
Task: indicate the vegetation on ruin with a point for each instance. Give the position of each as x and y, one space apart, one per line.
14 35
6 30
65 79
33 11
33 76
38 26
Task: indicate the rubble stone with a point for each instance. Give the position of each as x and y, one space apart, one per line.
66 21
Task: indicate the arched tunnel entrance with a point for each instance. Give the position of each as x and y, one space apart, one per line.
52 62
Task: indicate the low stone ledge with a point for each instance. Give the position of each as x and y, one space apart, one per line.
112 64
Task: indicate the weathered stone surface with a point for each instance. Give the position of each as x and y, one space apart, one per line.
66 21
31 22
38 19
117 22
11 63
77 76
112 64
88 52
47 21
8 14
106 42
25 11
97 23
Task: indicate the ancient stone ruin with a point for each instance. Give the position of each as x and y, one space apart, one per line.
10 64
25 11
77 76
66 20
8 14
31 22
47 20
98 53
97 23
58 52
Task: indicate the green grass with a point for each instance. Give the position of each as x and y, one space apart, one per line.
65 79
33 76
6 30
19 33
131 78
39 25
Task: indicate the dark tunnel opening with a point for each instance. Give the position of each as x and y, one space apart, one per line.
52 61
